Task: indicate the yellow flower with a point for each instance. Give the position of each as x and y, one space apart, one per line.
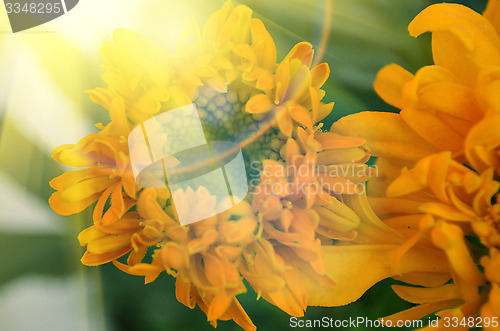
482 144
447 202
299 200
275 238
440 103
448 199
105 156
296 95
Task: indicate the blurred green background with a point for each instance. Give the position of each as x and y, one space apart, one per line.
43 73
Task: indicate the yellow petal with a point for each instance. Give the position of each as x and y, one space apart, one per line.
238 314
300 115
386 134
69 178
302 51
329 140
214 23
319 75
174 256
324 110
258 104
492 14
355 268
285 123
384 206
286 301
330 218
389 84
109 243
214 270
420 311
218 305
433 129
481 143
344 155
86 188
264 282
265 81
410 181
65 208
424 295
463 40
75 155
451 98
237 27
468 278
428 279
245 51
92 259
445 211
263 44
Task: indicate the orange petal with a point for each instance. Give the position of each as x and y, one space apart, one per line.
482 142
389 84
183 292
259 103
424 295
285 122
463 40
468 278
218 306
492 14
86 188
65 208
428 279
386 134
109 243
329 140
263 44
265 81
236 29
451 98
300 115
319 75
302 51
433 129
92 259
324 110
238 314
355 268
420 311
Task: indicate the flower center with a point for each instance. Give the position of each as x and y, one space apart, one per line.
224 118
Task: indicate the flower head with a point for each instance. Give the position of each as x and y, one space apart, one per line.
440 159
275 238
442 102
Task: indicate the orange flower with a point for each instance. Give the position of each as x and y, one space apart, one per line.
301 200
440 202
482 145
296 95
105 156
440 103
446 204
